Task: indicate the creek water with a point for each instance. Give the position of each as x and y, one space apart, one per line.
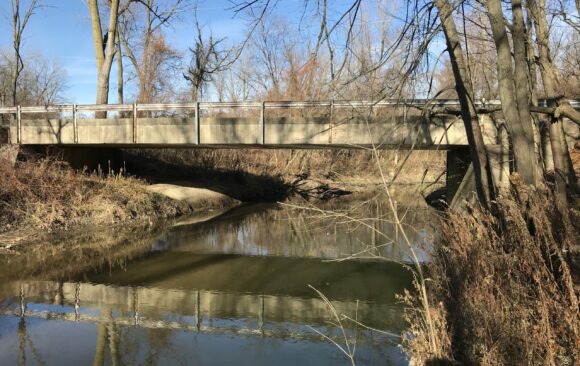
238 289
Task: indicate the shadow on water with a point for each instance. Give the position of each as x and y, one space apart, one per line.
226 290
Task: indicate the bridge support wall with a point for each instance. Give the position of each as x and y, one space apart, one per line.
460 177
107 160
458 162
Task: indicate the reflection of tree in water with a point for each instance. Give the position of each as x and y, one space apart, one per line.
24 339
326 232
124 344
80 252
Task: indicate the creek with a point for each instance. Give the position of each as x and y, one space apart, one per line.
243 288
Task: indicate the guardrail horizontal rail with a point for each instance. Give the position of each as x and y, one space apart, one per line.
7 110
257 105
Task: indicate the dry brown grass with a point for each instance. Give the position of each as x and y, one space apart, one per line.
575 156
44 194
503 287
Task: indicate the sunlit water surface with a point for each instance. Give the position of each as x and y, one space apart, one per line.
235 290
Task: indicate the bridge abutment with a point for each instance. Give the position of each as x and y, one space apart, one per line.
460 177
458 163
105 159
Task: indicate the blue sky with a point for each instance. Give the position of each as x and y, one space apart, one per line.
62 31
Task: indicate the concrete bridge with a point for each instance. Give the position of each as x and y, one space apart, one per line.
386 124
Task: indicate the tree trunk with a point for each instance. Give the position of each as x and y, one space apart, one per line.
119 70
97 33
520 125
15 75
104 58
521 81
144 72
563 169
17 29
481 168
540 128
18 25
16 42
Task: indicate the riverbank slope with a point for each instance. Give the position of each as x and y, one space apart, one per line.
42 196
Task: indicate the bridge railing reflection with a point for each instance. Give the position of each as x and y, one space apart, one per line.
200 311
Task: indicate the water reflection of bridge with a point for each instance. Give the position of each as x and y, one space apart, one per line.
200 311
121 313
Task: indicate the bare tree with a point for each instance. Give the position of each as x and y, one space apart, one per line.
6 75
513 91
563 169
208 58
42 82
120 79
18 25
268 44
236 83
141 38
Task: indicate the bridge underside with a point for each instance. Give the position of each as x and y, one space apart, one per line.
93 157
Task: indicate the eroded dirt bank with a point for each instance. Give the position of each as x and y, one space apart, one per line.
41 197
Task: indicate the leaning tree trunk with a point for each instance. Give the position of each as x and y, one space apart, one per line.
97 33
481 167
519 125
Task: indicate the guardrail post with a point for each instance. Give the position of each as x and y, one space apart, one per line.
198 311
75 125
197 125
330 122
263 123
18 125
134 123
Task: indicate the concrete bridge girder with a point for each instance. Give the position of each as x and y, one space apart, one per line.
221 130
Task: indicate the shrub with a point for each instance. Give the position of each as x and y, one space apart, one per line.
504 286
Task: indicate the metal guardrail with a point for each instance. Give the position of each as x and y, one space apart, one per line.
63 108
197 107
